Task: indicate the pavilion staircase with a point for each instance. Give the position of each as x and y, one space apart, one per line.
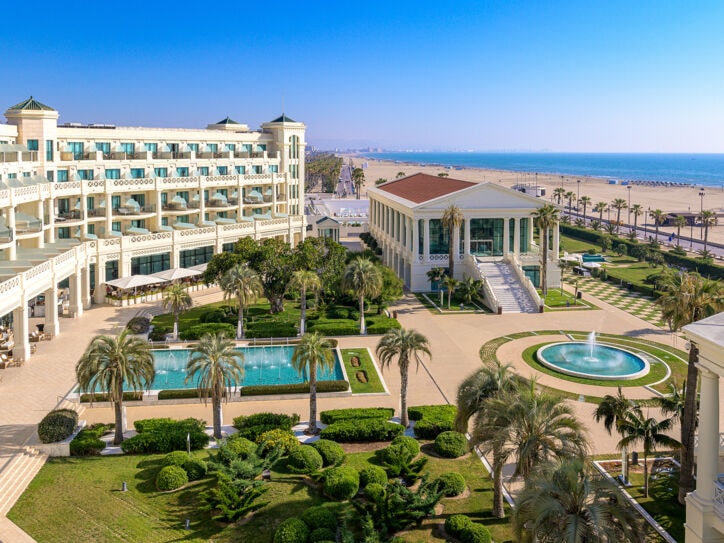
16 474
512 296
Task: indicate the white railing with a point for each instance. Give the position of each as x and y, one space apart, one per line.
719 499
524 279
721 442
491 300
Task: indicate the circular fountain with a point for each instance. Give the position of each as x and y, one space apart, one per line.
591 360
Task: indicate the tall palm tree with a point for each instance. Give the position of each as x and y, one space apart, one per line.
435 275
637 210
452 218
679 222
110 363
304 280
708 218
673 403
559 193
545 218
687 298
585 201
405 345
611 410
218 366
658 217
468 288
570 195
568 502
450 284
312 352
358 178
600 207
362 277
177 299
636 428
242 284
618 204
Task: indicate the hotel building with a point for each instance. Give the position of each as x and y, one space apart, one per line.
84 204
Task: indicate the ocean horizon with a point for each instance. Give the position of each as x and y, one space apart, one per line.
688 168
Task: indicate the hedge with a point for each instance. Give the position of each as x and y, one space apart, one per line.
331 452
164 435
451 484
103 397
410 443
240 446
57 425
195 469
291 530
362 431
264 329
199 330
277 438
371 474
431 420
171 478
88 442
299 388
252 426
175 458
319 516
455 524
374 491
451 444
178 394
356 413
304 459
320 535
341 483
475 533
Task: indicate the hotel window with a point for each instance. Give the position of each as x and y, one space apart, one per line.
212 147
128 148
104 147
182 172
438 238
62 176
193 257
183 194
420 236
161 172
524 241
113 174
140 198
260 147
115 202
49 150
111 270
50 175
256 169
294 148
63 205
137 173
164 199
150 264
273 168
241 170
247 147
32 145
116 226
64 232
92 230
90 203
76 148
152 147
203 170
223 170
193 147
12 176
138 223
231 147
164 221
85 175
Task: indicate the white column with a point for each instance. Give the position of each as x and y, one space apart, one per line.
50 232
159 210
99 295
426 243
456 248
109 214
84 215
12 250
21 349
202 205
52 323
467 236
415 237
516 236
556 243
41 216
85 292
506 235
75 290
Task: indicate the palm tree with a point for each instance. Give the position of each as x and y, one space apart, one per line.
559 194
673 403
649 432
450 284
658 217
358 178
468 288
362 277
611 410
452 218
176 298
305 280
570 195
569 502
219 366
242 284
679 222
400 174
405 345
687 298
313 351
600 207
435 275
708 218
545 218
637 210
110 363
618 204
585 201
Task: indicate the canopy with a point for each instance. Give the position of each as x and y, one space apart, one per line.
591 265
175 273
200 267
136 230
224 220
132 281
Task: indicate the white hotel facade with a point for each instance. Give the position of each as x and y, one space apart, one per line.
85 204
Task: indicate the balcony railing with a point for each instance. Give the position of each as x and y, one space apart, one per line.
719 499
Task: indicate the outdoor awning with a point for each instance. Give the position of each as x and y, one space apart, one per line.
245 218
175 273
132 203
136 230
207 223
281 215
200 267
132 281
183 225
218 197
165 228
591 265
23 220
255 194
263 217
224 220
12 148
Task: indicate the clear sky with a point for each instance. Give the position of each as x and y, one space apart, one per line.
626 76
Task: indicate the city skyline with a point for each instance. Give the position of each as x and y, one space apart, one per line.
558 77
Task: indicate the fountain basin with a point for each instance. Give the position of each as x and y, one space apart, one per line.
603 362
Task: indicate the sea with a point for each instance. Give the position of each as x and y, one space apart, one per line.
705 170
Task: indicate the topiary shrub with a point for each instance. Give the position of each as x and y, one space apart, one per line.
356 413
322 534
291 530
372 474
166 435
171 478
88 442
331 452
252 426
362 431
195 469
410 443
319 517
240 446
304 459
374 491
199 330
475 533
455 524
214 315
175 458
451 484
277 438
341 483
57 425
431 420
138 325
451 444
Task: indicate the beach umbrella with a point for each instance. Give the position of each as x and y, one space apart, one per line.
175 274
132 281
591 265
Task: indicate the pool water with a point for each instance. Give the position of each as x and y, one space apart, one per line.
262 366
593 361
593 258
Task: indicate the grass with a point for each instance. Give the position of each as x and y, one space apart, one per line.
81 496
556 300
431 301
373 384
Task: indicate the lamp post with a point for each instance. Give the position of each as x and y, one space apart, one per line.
628 188
578 192
701 219
691 230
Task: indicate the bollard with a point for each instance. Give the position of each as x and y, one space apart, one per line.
187 524
124 487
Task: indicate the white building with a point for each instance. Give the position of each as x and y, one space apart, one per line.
90 203
495 241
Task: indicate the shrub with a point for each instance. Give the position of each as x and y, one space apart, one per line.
138 444
195 469
331 452
357 413
214 316
57 425
341 483
165 435
103 397
475 533
159 332
253 426
410 443
374 491
175 458
171 478
455 524
432 419
178 394
277 438
362 431
322 534
297 388
451 484
240 446
88 442
371 474
138 325
199 330
384 326
319 517
304 459
291 530
451 444
260 329
399 461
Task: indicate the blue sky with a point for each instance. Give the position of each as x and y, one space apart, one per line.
614 76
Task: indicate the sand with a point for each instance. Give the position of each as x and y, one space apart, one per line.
668 199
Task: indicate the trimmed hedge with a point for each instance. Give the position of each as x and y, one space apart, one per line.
455 524
199 330
341 483
319 516
356 413
253 426
299 388
195 469
374 491
103 397
240 446
451 444
331 452
171 478
462 528
57 425
431 420
292 530
410 443
322 534
164 435
178 394
451 483
175 458
304 459
88 442
362 431
371 474
277 438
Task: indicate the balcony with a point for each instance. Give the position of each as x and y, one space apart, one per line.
127 156
719 498
167 155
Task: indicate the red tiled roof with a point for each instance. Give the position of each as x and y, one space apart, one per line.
421 187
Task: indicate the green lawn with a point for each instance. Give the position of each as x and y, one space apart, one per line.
557 300
373 384
82 497
431 300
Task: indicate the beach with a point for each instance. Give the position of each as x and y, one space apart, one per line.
667 198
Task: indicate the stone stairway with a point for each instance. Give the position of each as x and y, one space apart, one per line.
17 474
511 294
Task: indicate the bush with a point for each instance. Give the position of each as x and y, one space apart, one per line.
171 478
165 435
215 316
270 329
356 413
383 326
451 444
240 446
304 459
291 530
178 394
410 443
298 388
159 332
253 426
371 474
57 425
199 330
319 517
175 458
451 484
374 491
322 534
88 442
335 328
331 452
431 420
103 397
475 533
341 483
362 431
455 524
195 469
139 325
277 438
